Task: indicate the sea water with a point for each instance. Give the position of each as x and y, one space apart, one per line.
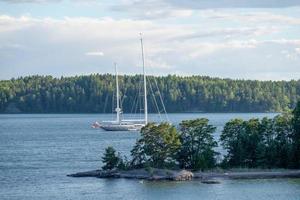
37 152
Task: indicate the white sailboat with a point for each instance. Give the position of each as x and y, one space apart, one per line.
123 124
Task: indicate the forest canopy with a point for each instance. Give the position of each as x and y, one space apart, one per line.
95 94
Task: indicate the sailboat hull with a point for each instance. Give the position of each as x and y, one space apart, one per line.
120 127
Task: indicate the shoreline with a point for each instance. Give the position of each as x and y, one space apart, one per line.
185 175
95 113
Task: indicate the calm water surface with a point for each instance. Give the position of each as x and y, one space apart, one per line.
37 151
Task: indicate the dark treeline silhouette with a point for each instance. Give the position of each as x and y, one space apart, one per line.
94 94
254 143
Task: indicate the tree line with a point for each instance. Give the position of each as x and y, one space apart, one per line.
94 94
254 143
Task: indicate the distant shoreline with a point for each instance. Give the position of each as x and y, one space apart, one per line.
149 113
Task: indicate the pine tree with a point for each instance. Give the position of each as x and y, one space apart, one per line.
110 159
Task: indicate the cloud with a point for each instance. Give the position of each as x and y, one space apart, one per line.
249 17
157 63
151 9
285 42
9 23
162 9
30 45
46 2
11 46
159 9
31 1
229 33
204 49
165 13
189 4
94 53
205 4
292 54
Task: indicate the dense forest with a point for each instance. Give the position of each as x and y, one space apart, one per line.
95 94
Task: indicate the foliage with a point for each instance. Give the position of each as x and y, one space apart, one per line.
296 136
123 163
94 94
157 146
197 144
253 143
110 159
258 143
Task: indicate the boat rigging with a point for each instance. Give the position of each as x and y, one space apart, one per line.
129 124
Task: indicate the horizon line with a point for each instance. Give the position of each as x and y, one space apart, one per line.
151 75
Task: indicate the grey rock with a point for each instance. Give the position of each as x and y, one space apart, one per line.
182 175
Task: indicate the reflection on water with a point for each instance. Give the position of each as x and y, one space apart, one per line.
37 151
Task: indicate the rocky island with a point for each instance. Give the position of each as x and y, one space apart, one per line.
185 175
261 148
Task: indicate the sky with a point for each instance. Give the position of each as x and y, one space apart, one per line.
239 39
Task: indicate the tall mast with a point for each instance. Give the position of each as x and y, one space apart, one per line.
145 82
118 109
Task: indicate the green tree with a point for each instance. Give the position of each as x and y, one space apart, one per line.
282 131
93 93
231 140
243 141
296 136
157 146
268 155
138 155
110 159
197 144
258 143
253 142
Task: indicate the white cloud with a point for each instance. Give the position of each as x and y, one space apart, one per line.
126 5
162 9
9 23
204 4
286 41
64 46
204 49
46 1
230 33
94 53
292 54
249 17
151 10
11 46
31 1
157 63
